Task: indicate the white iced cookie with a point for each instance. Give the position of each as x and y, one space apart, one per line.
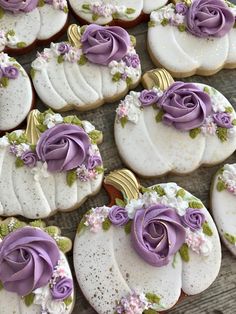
125 12
141 253
54 165
25 23
175 130
16 95
223 200
99 65
185 45
34 273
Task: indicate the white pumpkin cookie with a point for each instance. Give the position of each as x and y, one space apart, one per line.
140 254
23 24
98 65
193 37
223 200
35 276
174 126
54 165
16 94
126 13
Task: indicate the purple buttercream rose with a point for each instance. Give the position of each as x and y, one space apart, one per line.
193 218
118 216
62 289
181 8
10 72
17 6
209 18
157 234
94 161
132 60
63 147
102 45
185 106
27 259
223 120
148 97
30 158
63 48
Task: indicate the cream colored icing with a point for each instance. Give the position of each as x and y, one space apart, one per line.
34 25
143 145
224 212
106 273
15 101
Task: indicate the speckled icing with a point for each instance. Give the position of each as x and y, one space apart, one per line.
34 192
184 54
20 30
13 303
104 11
71 81
16 98
107 273
142 141
223 202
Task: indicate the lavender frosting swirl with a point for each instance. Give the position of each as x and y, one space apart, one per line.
185 105
193 218
118 216
102 45
17 6
27 259
223 120
62 288
209 18
63 147
157 234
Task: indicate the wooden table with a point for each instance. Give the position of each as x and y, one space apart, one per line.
220 298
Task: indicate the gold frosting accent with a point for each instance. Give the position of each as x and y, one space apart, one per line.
74 35
159 78
125 181
32 132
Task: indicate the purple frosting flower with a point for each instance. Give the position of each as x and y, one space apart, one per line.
193 218
94 161
148 97
63 48
181 8
63 147
10 72
102 45
132 60
223 120
209 18
185 105
62 288
118 216
17 6
157 234
27 259
30 158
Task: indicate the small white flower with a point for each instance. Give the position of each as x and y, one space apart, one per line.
73 55
171 190
117 67
42 295
150 198
88 127
56 306
198 242
133 206
133 114
54 49
131 72
121 10
52 119
4 141
39 64
4 59
12 40
179 18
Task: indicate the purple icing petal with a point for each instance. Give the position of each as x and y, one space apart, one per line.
148 97
30 158
193 219
118 216
17 6
62 288
223 120
10 72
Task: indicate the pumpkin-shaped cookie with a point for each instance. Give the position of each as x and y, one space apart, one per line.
140 253
223 201
193 37
23 24
126 13
98 65
174 126
34 273
53 165
16 95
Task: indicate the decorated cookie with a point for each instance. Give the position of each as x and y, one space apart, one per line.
223 201
138 255
193 37
98 65
16 95
174 126
35 276
23 24
53 165
126 13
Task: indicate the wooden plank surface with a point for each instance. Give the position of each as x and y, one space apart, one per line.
220 298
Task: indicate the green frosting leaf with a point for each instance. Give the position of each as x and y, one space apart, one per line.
60 59
21 44
234 122
41 3
150 311
165 22
115 16
71 177
100 170
184 253
106 225
86 7
222 134
4 231
51 230
220 186
160 191
128 227
153 298
151 24
68 301
130 11
230 238
64 244
82 60
18 225
182 27
195 204
32 73
37 224
95 136
159 116
181 193
19 163
229 109
144 190
4 81
194 132
129 81
66 10
11 32
207 229
29 299
72 120
1 13
1 286
207 90
116 77
81 225
95 17
120 202
123 121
